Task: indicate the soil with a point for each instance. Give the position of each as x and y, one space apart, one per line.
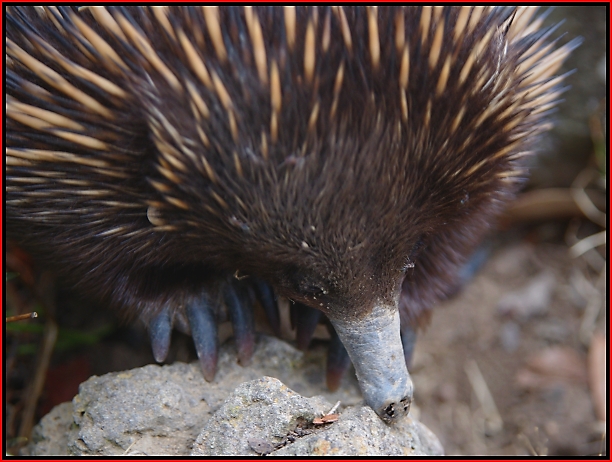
534 364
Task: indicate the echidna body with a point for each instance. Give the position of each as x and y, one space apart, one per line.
349 157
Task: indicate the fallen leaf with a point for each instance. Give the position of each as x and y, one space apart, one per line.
329 418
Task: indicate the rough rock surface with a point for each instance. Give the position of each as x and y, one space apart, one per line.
50 436
161 410
264 416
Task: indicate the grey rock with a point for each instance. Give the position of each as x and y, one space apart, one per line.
360 432
266 417
161 410
257 412
150 410
50 436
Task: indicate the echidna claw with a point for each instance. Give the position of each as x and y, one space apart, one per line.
338 361
240 307
409 336
266 297
200 317
203 324
306 321
160 332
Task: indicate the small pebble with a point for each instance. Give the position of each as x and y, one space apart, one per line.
510 336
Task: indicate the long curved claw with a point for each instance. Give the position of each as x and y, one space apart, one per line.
201 317
160 332
306 320
375 348
239 305
471 267
409 336
338 361
266 297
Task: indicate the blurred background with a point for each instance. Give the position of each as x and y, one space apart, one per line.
514 364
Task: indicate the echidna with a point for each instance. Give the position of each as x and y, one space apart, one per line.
177 160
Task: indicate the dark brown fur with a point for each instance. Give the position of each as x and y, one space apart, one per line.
369 193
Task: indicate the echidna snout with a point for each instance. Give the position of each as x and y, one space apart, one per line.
184 163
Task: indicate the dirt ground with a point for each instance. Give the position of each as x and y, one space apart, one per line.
511 365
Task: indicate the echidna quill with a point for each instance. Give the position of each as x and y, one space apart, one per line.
183 162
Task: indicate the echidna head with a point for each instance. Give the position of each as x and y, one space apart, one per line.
325 155
352 157
332 218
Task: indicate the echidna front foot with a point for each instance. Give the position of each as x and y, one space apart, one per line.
203 325
409 337
338 361
240 308
304 320
267 299
160 333
232 300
